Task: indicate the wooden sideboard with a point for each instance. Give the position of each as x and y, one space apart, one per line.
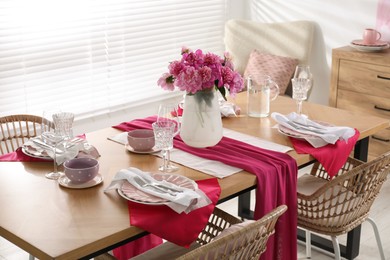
360 82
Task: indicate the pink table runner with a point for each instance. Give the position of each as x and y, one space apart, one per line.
276 183
331 156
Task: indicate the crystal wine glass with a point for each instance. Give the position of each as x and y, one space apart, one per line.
300 89
51 138
165 128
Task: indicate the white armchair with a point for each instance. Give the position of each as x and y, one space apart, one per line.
284 43
288 39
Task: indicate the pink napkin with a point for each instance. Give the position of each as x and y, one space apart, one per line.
276 182
168 224
19 156
331 156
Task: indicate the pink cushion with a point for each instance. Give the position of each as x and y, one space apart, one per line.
281 69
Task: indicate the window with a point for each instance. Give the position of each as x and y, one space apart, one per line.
97 56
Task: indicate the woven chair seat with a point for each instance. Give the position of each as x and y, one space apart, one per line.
338 205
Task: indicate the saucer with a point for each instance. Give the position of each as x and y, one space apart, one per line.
370 48
153 150
65 182
376 44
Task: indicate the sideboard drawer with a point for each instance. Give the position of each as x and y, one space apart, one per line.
375 105
364 78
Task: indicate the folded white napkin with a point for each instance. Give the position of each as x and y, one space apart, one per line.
184 201
320 134
65 151
228 109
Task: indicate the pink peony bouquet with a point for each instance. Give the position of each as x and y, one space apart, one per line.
197 71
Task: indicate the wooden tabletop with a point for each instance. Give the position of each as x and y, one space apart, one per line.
52 222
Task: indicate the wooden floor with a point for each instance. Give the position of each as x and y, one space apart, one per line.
380 212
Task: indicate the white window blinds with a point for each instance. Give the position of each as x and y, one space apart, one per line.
97 56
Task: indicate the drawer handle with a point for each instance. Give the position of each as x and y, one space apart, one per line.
381 108
380 139
382 77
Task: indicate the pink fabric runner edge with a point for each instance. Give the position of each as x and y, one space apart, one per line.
332 157
276 175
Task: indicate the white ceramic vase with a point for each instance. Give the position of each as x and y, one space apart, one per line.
201 121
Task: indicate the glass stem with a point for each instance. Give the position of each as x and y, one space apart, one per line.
168 158
165 156
299 104
55 158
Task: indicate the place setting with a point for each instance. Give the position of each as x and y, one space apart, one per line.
328 143
172 199
57 143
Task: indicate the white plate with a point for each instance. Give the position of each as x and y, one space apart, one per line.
289 132
129 192
370 48
154 150
41 154
65 182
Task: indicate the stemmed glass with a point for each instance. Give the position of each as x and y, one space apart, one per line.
300 89
302 83
51 138
165 128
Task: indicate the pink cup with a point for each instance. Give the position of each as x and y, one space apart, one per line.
371 36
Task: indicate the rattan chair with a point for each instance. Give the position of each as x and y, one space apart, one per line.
17 129
249 242
242 241
336 206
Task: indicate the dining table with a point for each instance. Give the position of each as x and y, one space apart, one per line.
50 221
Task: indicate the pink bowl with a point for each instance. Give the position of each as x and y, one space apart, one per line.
81 170
141 139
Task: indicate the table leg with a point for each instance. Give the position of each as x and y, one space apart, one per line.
361 150
244 203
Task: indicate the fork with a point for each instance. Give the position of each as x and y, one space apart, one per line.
328 137
144 184
306 128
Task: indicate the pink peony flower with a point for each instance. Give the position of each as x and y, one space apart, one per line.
166 82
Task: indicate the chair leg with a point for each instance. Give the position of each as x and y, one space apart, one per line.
378 238
31 257
308 244
336 248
